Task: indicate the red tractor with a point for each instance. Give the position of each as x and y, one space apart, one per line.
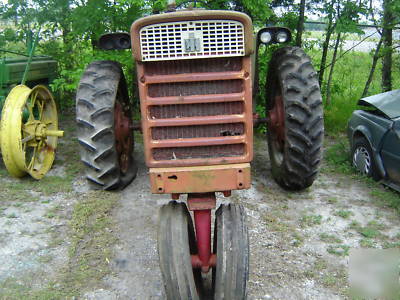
195 71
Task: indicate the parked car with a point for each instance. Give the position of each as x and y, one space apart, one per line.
374 134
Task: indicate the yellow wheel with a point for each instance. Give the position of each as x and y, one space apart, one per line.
29 131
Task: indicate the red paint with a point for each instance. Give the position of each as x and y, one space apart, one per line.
123 136
277 120
202 204
202 221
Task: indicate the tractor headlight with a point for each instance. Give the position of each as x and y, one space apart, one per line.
265 37
281 37
273 35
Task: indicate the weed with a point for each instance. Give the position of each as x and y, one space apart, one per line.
12 216
345 214
332 200
329 238
338 157
297 239
388 245
339 250
367 243
44 259
50 215
329 280
372 230
310 220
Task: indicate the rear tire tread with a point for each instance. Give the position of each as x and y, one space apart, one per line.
96 97
303 120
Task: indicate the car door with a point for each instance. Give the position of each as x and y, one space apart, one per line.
391 152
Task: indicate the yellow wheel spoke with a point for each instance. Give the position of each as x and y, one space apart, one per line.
29 107
41 107
32 162
27 139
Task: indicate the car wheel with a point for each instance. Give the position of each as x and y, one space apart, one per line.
363 159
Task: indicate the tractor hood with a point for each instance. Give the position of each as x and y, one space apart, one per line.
388 103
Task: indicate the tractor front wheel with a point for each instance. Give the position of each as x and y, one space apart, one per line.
231 246
105 131
176 244
295 119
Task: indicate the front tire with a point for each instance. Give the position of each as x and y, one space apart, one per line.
295 119
363 158
176 242
104 123
231 245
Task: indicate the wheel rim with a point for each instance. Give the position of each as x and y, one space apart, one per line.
29 131
362 160
276 126
123 134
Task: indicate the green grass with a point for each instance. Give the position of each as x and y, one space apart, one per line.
329 238
350 75
339 250
370 231
310 220
345 214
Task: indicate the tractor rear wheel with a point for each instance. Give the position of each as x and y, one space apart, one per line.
104 121
176 243
295 119
231 246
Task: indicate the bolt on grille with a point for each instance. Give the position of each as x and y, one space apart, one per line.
192 39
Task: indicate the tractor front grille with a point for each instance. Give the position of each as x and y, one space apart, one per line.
196 112
210 38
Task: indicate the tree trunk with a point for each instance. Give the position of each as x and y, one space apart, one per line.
325 48
388 43
300 23
373 67
328 85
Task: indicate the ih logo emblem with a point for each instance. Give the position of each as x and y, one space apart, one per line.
192 41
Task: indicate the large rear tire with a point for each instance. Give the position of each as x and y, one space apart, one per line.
104 123
295 119
176 242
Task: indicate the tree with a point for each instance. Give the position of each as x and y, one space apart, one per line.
387 36
300 23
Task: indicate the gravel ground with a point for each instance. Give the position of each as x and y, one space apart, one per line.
299 242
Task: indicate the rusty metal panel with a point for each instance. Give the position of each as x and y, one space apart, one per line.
171 67
199 118
181 132
195 110
200 179
195 88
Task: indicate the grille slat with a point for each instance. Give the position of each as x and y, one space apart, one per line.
195 110
180 132
208 38
198 152
195 88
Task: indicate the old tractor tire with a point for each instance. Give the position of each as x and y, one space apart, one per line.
176 242
295 127
104 120
231 245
